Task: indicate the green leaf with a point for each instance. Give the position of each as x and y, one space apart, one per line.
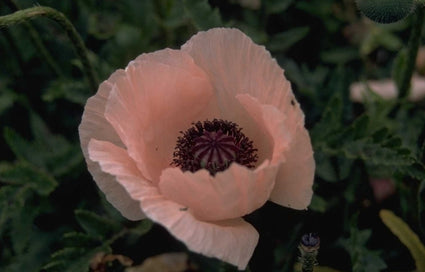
73 259
19 146
400 229
340 55
143 227
80 248
25 174
22 229
318 204
285 40
362 259
357 130
201 14
276 6
51 152
71 90
12 200
376 154
421 205
399 66
79 239
7 98
96 225
35 254
416 171
324 167
331 120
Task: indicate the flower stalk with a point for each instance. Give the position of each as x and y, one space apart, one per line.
22 16
412 51
38 43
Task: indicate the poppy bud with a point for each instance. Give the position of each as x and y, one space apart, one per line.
386 11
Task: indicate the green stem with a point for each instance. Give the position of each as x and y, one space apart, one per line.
412 51
22 16
37 42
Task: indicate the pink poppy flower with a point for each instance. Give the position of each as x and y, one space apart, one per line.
196 138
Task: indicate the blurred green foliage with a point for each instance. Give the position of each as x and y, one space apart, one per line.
52 216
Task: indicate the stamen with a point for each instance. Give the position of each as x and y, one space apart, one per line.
213 145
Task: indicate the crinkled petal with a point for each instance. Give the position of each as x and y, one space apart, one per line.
244 68
293 187
161 94
238 190
232 193
292 147
94 125
236 65
271 122
233 240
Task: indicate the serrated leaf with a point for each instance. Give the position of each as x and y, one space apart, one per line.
421 205
277 6
21 229
318 204
143 227
71 90
79 239
201 14
331 120
96 225
340 55
324 167
19 146
24 174
36 253
68 253
357 129
375 153
399 65
285 40
362 259
7 98
380 135
73 259
48 151
416 171
400 229
54 266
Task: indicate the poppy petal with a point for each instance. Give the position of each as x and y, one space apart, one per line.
233 240
292 146
229 194
94 125
242 67
148 114
294 181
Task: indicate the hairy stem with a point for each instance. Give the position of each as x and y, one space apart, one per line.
412 51
23 16
36 39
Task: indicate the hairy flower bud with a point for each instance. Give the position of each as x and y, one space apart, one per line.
386 11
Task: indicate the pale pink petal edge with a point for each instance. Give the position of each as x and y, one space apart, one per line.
232 241
292 151
229 194
294 181
94 125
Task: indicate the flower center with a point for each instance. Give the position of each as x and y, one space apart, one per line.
213 145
